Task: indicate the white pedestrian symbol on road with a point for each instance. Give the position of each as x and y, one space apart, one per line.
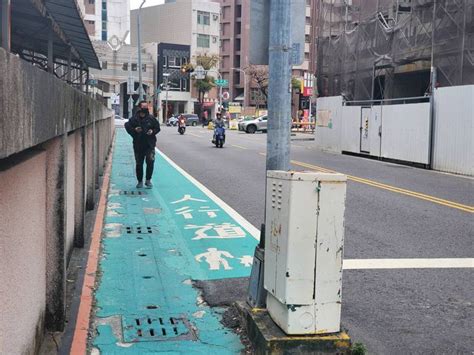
215 258
246 260
187 198
185 212
222 231
211 213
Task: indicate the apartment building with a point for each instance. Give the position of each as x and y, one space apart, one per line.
174 33
106 18
235 38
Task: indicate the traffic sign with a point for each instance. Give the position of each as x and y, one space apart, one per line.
199 72
225 95
222 82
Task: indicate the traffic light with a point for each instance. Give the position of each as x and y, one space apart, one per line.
187 68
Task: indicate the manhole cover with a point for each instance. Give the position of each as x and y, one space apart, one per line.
140 230
156 328
132 193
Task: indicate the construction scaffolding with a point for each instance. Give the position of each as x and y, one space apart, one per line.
385 49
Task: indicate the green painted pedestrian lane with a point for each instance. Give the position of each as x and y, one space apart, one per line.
154 243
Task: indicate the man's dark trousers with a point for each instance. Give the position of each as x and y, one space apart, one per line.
144 154
143 143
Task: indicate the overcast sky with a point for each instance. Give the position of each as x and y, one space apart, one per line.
134 4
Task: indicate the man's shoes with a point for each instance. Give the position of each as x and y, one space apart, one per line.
148 184
140 185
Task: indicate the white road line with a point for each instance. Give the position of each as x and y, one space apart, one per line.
238 146
254 232
348 264
366 264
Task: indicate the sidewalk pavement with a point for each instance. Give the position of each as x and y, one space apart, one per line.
154 243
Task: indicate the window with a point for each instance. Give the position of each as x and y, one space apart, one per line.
203 41
308 20
173 62
134 66
238 11
184 85
125 66
307 38
104 35
91 1
104 64
203 18
184 60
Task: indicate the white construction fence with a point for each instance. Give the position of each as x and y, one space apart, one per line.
403 130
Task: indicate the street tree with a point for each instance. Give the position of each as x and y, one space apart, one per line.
203 86
258 75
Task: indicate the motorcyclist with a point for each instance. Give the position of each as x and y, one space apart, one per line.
218 123
181 121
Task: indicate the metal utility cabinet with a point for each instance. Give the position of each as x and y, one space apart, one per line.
304 249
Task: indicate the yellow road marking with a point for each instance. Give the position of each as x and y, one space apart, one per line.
433 199
440 201
238 146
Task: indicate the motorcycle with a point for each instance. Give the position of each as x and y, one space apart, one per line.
181 126
219 137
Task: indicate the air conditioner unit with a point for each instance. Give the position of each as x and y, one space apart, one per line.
215 17
214 39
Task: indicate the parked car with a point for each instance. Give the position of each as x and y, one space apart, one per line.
191 119
252 126
120 121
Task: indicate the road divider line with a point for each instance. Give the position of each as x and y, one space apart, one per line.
195 135
433 199
254 232
238 146
435 263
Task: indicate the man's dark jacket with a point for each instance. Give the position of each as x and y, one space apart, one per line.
142 140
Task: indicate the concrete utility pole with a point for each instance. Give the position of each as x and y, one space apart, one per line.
279 91
139 45
5 25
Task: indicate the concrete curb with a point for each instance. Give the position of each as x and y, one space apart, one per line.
81 331
268 338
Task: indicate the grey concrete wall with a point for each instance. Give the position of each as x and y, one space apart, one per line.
41 106
22 254
50 160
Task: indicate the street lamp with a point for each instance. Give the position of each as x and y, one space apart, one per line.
166 76
245 84
140 84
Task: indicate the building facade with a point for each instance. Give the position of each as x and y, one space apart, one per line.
105 19
119 70
235 38
178 31
385 49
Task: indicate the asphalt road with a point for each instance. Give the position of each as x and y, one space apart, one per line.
392 211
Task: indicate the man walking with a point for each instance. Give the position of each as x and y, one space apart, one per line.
143 128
